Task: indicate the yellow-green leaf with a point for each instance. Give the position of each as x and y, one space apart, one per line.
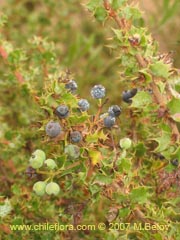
95 156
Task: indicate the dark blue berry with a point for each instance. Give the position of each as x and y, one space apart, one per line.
127 95
31 172
158 156
133 92
175 162
53 129
109 121
83 105
72 86
98 91
62 111
75 137
114 111
150 91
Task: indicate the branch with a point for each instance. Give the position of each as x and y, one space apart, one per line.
120 22
17 74
158 97
3 53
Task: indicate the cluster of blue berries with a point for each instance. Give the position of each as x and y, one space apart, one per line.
55 128
109 119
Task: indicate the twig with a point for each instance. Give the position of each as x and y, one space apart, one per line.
158 97
112 13
160 100
18 75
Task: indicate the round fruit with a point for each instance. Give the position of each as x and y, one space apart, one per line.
53 129
125 143
50 163
62 111
37 158
72 86
133 92
31 172
72 151
175 162
114 111
36 163
75 137
109 121
98 91
83 105
39 153
39 188
52 188
127 95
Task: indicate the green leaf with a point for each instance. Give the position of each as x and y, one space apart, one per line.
102 179
125 165
160 69
49 56
61 160
94 189
176 117
16 189
128 61
124 212
3 19
58 88
93 138
141 100
100 14
117 3
163 141
140 149
161 86
131 12
77 119
92 5
48 109
176 154
146 74
118 33
69 99
48 100
17 220
174 106
95 156
16 56
139 195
